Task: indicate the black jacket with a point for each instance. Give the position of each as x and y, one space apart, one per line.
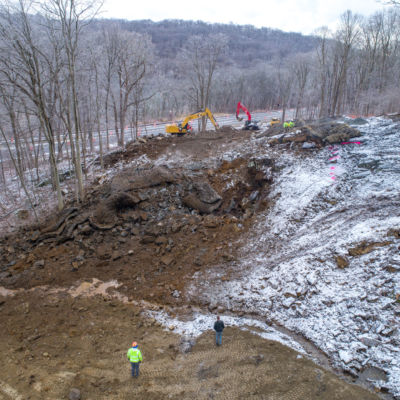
219 326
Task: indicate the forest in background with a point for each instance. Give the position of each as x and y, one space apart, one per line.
66 76
246 44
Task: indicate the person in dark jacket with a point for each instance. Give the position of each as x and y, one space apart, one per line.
218 328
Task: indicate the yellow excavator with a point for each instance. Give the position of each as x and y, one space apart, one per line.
184 127
275 121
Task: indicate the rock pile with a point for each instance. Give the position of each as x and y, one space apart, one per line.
321 132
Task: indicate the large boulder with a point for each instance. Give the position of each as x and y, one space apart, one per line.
337 133
142 179
203 198
74 394
205 192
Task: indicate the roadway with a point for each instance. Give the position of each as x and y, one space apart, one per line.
157 128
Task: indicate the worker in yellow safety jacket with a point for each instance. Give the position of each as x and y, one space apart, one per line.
288 124
135 358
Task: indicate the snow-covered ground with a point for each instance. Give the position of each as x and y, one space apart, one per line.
324 205
200 322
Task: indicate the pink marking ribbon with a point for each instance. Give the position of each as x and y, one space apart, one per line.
334 150
350 142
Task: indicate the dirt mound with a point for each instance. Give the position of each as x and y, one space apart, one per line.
225 129
148 227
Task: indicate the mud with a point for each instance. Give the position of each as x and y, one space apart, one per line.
52 343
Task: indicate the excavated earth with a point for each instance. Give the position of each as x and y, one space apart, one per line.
75 289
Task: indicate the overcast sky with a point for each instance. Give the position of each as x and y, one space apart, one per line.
288 15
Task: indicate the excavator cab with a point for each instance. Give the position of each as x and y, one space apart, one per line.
249 125
189 127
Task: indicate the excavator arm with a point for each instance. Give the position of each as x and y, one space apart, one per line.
211 118
196 115
241 106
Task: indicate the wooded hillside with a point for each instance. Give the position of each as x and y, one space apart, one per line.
246 44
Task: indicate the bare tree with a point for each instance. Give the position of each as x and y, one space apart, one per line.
23 65
94 65
129 56
8 100
202 54
110 59
68 17
323 70
301 67
346 37
285 80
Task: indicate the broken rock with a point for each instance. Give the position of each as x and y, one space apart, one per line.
121 201
143 215
142 179
365 248
23 214
74 394
342 262
161 240
203 198
345 356
167 260
186 344
39 264
35 236
309 145
147 239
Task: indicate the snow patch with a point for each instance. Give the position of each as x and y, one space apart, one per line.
201 323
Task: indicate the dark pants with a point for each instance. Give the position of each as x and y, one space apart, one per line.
218 338
135 369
